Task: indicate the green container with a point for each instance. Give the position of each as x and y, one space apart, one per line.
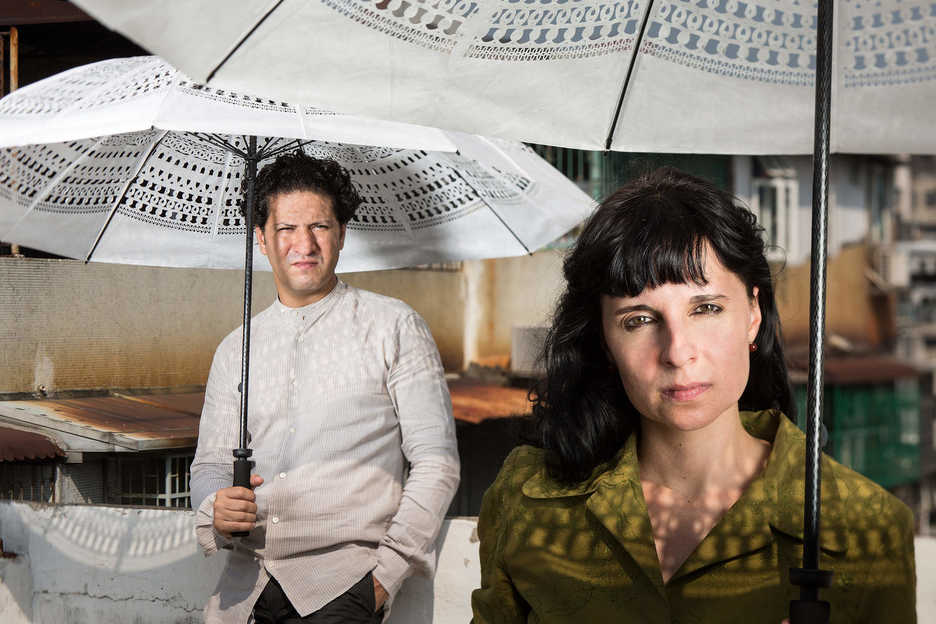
873 429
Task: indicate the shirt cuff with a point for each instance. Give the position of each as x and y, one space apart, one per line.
208 538
392 569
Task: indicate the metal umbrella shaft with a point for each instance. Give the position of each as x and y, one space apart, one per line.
242 454
809 609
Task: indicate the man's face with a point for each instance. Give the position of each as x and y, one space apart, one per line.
302 239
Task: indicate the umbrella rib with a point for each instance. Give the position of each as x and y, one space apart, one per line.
241 42
218 141
262 151
123 193
491 208
51 185
630 71
288 147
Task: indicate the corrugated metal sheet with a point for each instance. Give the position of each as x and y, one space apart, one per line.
17 445
130 422
127 417
173 419
855 369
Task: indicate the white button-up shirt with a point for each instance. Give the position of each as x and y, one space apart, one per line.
343 393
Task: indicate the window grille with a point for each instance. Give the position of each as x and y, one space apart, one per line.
773 201
27 481
156 481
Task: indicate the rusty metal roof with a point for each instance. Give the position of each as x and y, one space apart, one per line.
129 422
18 445
150 421
856 369
475 402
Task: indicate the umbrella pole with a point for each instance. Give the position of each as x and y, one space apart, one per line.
809 609
242 463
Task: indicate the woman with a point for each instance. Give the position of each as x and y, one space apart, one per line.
667 483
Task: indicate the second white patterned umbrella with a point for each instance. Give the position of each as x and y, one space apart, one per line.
157 196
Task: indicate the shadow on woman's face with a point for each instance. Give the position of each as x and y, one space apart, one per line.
682 350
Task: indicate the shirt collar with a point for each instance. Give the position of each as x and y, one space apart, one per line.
773 501
312 310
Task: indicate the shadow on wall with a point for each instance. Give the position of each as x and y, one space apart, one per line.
87 564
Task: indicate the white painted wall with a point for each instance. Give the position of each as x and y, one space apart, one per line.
84 564
848 210
79 564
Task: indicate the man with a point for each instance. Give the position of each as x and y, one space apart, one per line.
346 387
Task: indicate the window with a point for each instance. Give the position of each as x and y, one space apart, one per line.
931 199
155 481
774 204
27 481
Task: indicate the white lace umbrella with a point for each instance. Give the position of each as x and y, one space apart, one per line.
149 194
720 76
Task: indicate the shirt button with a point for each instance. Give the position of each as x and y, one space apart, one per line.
275 519
282 475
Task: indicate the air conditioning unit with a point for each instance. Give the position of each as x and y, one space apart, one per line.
892 263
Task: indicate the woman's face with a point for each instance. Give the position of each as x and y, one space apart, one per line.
682 350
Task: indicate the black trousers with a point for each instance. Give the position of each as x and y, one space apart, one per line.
355 606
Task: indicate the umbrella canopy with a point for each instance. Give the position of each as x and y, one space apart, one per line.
705 77
150 194
141 93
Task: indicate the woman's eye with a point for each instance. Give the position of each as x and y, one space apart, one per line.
634 322
708 308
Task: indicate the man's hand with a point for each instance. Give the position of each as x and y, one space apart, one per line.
380 595
235 509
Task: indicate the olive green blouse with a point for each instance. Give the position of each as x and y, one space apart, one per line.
584 554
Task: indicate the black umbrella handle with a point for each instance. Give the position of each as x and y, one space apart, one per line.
242 466
809 612
809 609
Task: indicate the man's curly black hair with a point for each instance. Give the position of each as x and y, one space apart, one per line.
298 171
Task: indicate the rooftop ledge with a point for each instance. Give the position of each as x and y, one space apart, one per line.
91 563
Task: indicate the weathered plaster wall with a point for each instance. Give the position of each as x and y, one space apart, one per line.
68 325
851 310
512 292
438 296
65 325
111 565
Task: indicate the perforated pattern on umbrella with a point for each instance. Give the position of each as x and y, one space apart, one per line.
170 198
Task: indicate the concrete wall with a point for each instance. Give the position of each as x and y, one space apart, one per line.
440 297
472 311
851 310
112 565
510 292
65 325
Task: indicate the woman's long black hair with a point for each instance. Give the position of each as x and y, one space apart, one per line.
649 232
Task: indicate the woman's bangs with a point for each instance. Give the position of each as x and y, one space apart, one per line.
657 256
